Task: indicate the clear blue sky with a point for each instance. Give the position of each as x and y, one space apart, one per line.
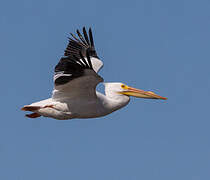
159 45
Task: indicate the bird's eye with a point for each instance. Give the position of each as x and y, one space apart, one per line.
123 86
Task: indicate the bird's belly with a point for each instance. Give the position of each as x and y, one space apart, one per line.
88 110
74 109
56 113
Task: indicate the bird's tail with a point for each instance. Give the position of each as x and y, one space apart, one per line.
33 115
31 108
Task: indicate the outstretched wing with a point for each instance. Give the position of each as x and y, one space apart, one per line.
75 78
84 44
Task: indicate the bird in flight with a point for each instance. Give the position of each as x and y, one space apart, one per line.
75 80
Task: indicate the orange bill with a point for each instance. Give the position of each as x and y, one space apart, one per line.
130 91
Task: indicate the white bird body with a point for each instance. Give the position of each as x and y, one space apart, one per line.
73 107
75 81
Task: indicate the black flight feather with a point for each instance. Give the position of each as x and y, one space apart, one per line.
71 67
86 36
81 44
88 59
91 38
81 38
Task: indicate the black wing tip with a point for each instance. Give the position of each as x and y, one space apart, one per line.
78 32
90 30
91 37
83 38
81 41
84 28
86 36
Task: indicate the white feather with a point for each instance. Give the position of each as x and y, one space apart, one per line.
96 63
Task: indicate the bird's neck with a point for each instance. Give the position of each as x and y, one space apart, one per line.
113 102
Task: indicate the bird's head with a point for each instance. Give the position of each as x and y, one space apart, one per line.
122 89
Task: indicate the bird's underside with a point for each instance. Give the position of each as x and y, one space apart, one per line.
73 108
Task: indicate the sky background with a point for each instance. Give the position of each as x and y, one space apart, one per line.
159 45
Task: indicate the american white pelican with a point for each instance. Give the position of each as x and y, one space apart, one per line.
75 81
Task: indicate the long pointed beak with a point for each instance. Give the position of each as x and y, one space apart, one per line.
130 91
